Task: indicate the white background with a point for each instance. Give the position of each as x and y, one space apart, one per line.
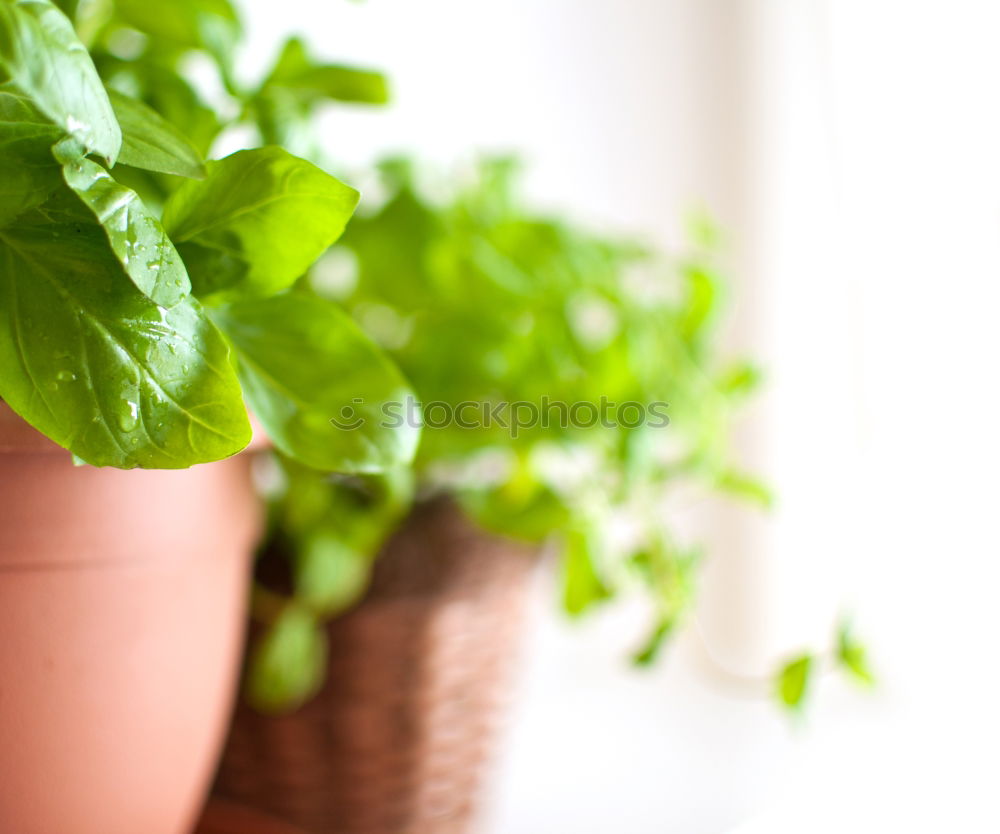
852 149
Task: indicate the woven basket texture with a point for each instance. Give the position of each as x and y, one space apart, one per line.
399 739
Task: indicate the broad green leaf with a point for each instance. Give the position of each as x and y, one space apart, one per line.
583 585
287 665
212 25
305 364
150 187
173 96
168 93
295 70
28 173
41 56
98 367
411 226
793 681
853 656
256 223
330 575
151 143
17 108
285 118
136 236
26 179
284 104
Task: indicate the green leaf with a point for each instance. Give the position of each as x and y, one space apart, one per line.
295 70
852 656
481 299
793 681
287 665
44 60
583 585
256 223
741 485
740 379
284 118
330 575
357 510
284 105
136 236
212 25
304 363
28 173
531 515
701 300
651 650
669 575
98 367
68 7
168 93
151 143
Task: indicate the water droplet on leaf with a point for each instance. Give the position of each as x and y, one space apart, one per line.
129 416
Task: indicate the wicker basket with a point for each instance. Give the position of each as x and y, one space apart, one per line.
225 818
397 740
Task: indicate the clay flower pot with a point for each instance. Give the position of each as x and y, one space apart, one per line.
122 606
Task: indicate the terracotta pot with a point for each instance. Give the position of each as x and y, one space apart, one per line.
122 605
400 737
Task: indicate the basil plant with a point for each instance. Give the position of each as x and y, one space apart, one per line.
570 385
147 295
569 388
572 394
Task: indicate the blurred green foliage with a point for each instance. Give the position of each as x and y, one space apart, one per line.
852 656
478 297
